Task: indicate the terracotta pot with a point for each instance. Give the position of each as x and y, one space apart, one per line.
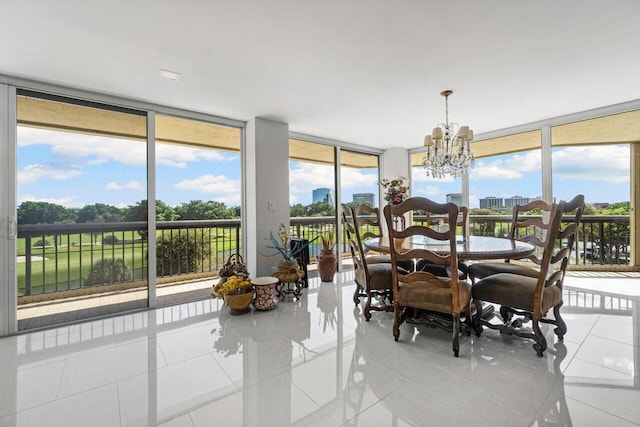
239 303
327 264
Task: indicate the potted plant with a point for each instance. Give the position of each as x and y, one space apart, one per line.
288 268
327 260
237 292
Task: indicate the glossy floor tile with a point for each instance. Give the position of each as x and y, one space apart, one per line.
316 362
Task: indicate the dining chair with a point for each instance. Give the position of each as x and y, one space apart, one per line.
420 295
531 296
369 226
523 230
372 272
439 270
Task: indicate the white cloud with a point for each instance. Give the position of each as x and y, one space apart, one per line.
600 163
180 156
67 202
220 188
131 185
102 149
510 167
427 191
308 176
34 172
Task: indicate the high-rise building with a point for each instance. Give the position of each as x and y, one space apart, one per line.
365 198
455 198
491 202
324 195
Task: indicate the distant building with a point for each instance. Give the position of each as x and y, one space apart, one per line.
324 195
365 198
600 205
455 198
491 202
519 200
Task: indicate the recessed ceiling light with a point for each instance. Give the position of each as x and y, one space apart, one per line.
169 75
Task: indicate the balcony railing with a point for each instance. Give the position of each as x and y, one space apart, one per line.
61 257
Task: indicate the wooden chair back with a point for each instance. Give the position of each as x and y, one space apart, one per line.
400 252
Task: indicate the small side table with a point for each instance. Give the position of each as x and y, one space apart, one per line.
290 288
265 293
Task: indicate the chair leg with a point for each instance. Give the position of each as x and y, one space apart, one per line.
541 342
475 322
356 295
561 328
367 307
456 335
397 322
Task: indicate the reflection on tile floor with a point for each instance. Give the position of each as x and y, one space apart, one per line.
317 362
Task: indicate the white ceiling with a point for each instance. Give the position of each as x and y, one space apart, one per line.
367 72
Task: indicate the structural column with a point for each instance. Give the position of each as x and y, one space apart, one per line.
266 162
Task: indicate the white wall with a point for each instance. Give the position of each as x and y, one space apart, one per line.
267 190
395 163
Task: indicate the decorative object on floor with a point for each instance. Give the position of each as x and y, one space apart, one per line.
290 276
448 151
327 260
237 292
289 272
234 266
283 244
265 293
395 190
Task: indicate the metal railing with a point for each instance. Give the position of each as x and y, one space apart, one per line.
63 257
59 257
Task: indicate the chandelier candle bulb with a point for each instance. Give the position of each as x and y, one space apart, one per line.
449 154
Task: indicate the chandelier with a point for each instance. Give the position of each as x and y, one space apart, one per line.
448 150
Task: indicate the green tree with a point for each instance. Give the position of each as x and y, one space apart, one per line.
183 253
197 209
138 212
297 210
107 270
618 208
356 203
44 213
321 209
99 212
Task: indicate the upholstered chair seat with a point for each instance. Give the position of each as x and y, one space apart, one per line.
432 296
483 269
515 290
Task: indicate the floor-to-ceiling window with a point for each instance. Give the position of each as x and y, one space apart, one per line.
312 191
82 218
593 157
198 202
507 171
359 178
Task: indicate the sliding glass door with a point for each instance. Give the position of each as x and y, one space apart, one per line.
81 210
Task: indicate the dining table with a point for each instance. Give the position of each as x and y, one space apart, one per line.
472 248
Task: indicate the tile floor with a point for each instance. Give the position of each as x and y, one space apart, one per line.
316 362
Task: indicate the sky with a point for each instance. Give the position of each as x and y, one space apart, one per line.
75 170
